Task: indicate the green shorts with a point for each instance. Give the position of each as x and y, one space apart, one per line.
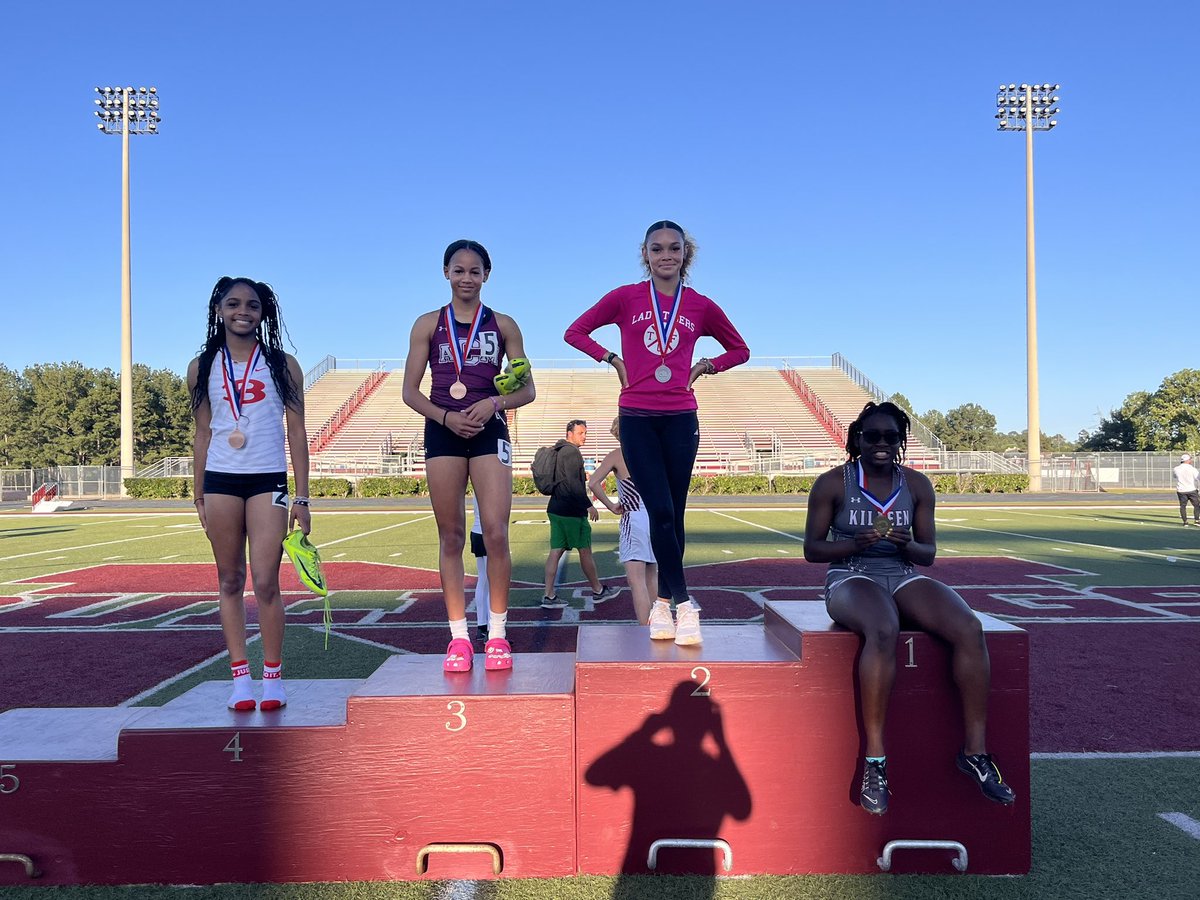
570 532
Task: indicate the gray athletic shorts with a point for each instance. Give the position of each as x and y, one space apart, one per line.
890 582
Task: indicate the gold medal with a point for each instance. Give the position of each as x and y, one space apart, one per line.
237 440
882 525
458 390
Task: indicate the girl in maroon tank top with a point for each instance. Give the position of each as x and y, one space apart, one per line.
466 437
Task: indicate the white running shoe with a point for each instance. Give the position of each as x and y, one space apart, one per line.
662 627
687 624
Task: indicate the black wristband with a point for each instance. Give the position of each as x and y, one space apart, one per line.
609 357
445 412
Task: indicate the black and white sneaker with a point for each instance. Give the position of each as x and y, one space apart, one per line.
553 603
873 796
607 592
981 769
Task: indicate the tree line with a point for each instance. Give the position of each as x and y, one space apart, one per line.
64 414
69 414
1162 420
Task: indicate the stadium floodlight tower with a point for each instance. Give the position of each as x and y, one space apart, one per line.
1029 108
126 111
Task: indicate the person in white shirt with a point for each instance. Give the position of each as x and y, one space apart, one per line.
1187 488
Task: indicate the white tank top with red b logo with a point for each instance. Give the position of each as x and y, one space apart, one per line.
261 423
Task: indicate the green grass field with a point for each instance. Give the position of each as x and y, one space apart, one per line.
1097 825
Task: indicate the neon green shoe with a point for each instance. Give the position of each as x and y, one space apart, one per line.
307 560
514 377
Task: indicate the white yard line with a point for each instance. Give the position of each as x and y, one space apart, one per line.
1055 540
756 525
145 537
1183 822
1149 754
355 537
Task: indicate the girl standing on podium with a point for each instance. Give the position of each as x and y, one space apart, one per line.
246 393
660 321
464 344
872 520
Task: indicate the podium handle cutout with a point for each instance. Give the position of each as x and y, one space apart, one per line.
30 869
490 849
959 862
715 844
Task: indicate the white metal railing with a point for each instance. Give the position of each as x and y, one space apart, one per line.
920 429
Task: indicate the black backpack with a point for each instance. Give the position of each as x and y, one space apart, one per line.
545 463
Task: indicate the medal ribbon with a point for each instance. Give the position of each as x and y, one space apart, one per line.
459 356
883 506
233 391
665 333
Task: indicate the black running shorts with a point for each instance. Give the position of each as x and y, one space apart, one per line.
247 486
492 441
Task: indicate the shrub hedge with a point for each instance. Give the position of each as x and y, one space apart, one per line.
725 485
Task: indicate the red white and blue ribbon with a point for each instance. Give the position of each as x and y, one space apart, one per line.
235 392
665 331
458 355
884 506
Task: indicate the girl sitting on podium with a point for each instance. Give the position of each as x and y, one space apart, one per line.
872 520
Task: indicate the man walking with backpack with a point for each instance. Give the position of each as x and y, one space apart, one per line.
568 510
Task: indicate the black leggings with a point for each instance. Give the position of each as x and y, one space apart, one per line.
660 452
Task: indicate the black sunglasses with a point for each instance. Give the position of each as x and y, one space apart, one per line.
874 436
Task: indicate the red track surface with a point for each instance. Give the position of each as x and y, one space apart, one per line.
1094 685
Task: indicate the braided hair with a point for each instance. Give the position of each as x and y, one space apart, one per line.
887 408
269 334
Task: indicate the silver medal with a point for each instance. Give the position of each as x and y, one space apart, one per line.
663 374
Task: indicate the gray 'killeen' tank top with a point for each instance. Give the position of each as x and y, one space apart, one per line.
858 512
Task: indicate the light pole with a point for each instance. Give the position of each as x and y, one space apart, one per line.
126 111
1029 108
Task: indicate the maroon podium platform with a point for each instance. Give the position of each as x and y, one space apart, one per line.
479 758
350 781
686 744
931 799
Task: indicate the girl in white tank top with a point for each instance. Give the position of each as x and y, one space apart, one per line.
247 396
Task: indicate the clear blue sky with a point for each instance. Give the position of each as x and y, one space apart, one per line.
837 163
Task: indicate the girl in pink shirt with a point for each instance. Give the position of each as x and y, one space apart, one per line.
660 321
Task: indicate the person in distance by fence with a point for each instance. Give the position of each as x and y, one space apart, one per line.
247 394
872 520
1187 488
466 437
660 320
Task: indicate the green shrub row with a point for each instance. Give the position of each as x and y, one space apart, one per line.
405 486
979 483
158 488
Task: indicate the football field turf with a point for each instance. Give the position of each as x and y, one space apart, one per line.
120 608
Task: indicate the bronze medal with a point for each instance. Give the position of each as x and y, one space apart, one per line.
237 440
882 525
458 390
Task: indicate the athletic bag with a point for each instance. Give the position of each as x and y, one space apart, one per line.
545 462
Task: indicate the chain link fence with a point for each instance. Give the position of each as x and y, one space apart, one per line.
1061 472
